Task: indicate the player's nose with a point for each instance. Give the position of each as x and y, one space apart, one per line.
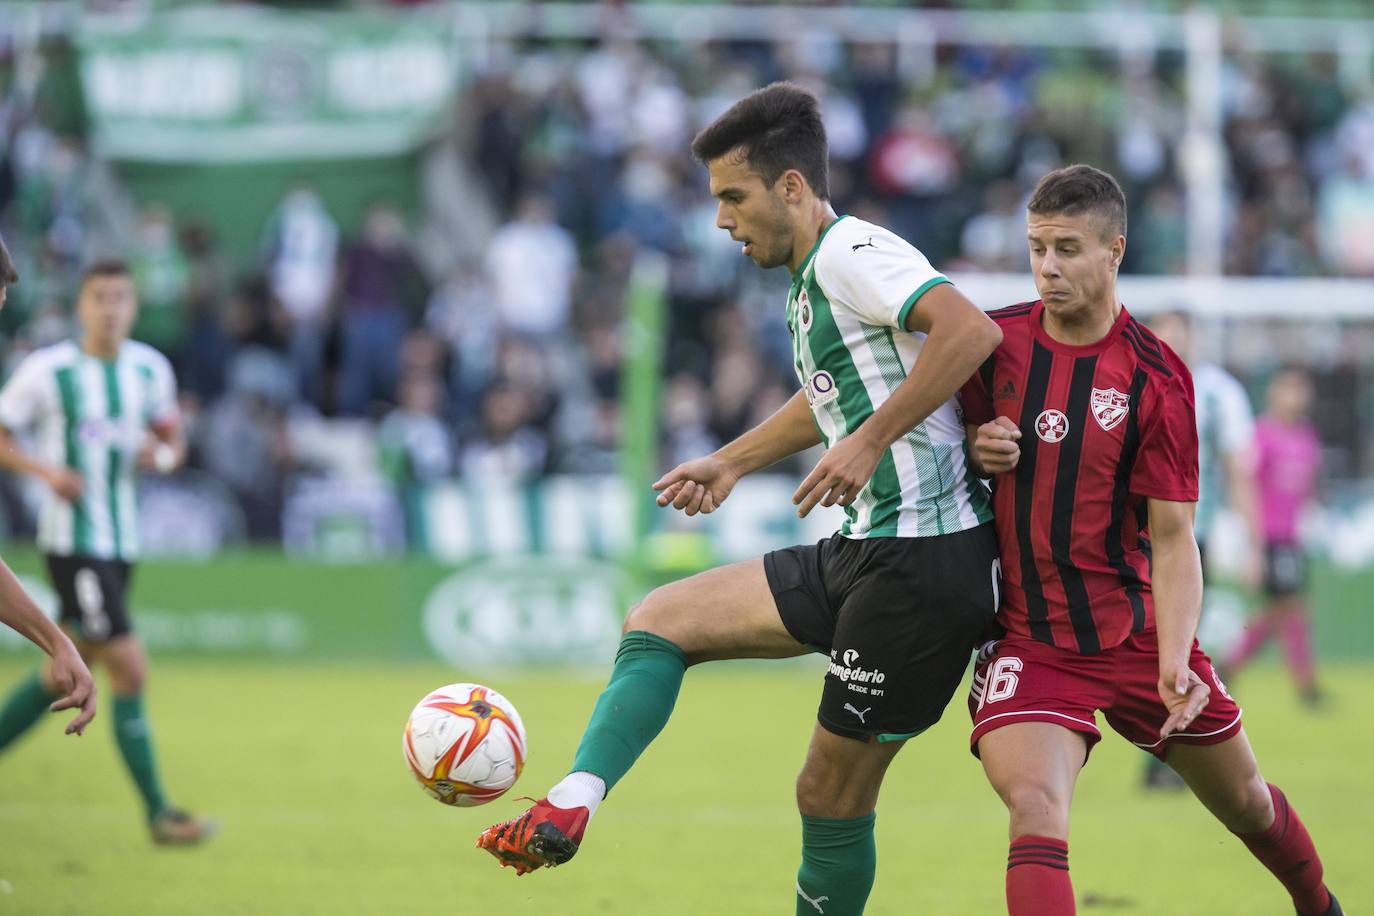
724 220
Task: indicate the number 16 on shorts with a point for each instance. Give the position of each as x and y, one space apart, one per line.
997 681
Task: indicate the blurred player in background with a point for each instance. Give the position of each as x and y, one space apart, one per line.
1095 486
1226 469
103 407
898 596
65 683
1288 463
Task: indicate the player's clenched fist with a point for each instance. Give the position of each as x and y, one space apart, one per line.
996 448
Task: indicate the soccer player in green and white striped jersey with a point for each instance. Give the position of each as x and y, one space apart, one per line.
67 682
102 408
881 343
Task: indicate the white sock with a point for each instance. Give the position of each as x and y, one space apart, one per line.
579 790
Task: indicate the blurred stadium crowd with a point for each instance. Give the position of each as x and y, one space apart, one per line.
505 358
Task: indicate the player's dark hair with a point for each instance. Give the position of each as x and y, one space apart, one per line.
104 267
8 275
776 128
1078 189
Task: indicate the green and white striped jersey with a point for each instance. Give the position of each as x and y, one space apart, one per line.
1225 427
92 416
847 313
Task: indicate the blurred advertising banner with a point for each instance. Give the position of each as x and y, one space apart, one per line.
251 84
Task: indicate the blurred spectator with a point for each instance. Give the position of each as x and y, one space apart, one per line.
163 276
413 440
507 444
381 294
532 263
301 244
245 440
205 348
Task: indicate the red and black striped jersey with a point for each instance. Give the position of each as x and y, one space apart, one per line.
1103 428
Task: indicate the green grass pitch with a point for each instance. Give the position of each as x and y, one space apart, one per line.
303 765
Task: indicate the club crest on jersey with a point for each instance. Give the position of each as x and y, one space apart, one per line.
804 310
1052 425
1110 406
821 388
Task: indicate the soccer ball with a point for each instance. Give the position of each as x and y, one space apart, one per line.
465 744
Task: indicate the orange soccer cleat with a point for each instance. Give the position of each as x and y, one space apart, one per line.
543 835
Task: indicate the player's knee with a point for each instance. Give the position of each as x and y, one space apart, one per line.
650 615
129 678
1248 808
817 794
1036 808
825 788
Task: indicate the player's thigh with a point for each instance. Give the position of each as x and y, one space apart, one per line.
726 612
1226 778
1034 767
841 776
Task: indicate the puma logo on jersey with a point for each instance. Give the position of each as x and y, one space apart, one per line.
867 244
816 902
850 708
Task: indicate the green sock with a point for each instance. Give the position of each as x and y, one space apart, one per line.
134 738
25 706
839 860
633 708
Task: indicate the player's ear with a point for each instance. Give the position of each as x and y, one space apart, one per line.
1118 250
793 186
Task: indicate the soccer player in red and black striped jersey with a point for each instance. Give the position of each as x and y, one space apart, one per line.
1084 421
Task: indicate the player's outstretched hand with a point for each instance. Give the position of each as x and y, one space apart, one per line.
844 470
699 485
996 447
65 483
71 676
1185 695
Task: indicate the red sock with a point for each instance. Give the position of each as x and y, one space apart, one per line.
1287 851
1038 877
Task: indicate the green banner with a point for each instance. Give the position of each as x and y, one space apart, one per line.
251 84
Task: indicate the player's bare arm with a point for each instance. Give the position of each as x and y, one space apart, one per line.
64 482
70 676
165 450
994 447
959 337
1178 605
702 484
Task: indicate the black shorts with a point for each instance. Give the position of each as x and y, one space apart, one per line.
91 593
1285 570
899 618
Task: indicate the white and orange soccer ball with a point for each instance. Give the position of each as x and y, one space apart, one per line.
465 744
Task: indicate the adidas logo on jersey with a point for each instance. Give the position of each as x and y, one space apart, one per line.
1007 392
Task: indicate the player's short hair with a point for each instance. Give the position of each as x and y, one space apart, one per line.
778 128
8 274
104 267
1078 189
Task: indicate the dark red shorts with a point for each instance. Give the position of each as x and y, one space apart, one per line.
1019 679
